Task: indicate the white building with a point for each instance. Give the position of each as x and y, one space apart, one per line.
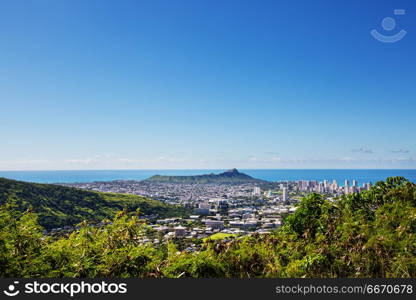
346 187
334 185
285 194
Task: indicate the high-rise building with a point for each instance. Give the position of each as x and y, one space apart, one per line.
221 205
285 195
346 187
354 183
256 191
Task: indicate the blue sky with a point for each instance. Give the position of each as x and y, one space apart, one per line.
206 84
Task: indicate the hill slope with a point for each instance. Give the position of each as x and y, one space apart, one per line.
232 176
58 206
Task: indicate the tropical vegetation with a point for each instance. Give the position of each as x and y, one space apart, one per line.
59 206
370 234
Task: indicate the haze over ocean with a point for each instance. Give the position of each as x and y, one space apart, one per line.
72 176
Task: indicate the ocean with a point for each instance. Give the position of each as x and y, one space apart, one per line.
362 175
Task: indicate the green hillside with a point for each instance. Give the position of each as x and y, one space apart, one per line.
58 206
370 234
232 176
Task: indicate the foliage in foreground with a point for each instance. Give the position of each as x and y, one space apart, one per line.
371 234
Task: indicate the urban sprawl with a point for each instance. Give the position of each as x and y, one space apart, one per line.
220 210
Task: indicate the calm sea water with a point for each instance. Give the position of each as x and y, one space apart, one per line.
270 175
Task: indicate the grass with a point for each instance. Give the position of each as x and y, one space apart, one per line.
219 236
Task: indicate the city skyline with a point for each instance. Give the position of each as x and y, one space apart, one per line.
90 85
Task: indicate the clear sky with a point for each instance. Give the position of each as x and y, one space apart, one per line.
206 84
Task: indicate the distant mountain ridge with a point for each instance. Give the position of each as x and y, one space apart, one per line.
232 176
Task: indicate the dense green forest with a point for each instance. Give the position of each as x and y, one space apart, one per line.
58 206
371 234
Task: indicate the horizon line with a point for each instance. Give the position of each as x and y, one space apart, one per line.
201 169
